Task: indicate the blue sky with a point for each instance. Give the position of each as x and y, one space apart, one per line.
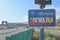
17 10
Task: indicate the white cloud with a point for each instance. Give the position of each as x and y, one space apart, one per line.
58 10
57 17
25 19
0 22
57 13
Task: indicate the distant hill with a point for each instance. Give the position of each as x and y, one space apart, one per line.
13 25
25 22
17 24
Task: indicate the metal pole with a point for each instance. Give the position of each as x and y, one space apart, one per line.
42 29
42 34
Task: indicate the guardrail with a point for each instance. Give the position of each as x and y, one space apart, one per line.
18 34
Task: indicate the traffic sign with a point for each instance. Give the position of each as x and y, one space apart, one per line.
42 18
43 2
48 2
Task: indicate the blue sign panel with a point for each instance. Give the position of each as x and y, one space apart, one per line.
44 17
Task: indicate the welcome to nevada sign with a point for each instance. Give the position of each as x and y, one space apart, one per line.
42 18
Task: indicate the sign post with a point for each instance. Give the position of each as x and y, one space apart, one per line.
42 34
42 18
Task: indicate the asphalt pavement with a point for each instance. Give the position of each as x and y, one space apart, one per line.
34 38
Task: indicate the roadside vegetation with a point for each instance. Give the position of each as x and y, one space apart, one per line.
47 35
